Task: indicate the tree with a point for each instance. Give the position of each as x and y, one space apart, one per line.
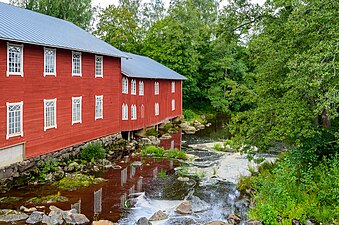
295 91
119 26
79 12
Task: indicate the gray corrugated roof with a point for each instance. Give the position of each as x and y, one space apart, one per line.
26 26
144 67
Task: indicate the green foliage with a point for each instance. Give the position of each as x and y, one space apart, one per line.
79 12
192 116
218 147
93 151
160 152
76 181
162 173
151 132
48 199
46 167
291 191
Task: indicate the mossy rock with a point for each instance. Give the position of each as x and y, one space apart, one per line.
48 199
77 180
9 199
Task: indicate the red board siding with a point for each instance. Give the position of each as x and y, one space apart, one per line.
33 88
148 100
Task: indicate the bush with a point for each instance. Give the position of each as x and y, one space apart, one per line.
151 132
93 151
290 191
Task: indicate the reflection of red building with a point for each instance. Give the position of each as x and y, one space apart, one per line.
61 86
174 142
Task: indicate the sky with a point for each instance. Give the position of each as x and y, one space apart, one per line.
105 3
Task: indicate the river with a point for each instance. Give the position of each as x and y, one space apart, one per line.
132 192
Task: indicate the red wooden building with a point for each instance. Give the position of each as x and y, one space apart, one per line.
61 86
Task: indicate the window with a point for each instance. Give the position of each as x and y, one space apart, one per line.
156 109
141 88
124 112
49 113
76 109
49 62
133 112
142 111
125 85
156 88
173 104
99 107
173 86
15 60
99 66
14 119
133 87
76 64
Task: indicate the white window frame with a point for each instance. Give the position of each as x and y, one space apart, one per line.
80 73
133 112
142 111
156 109
48 73
45 115
156 88
80 116
173 104
173 87
21 133
141 88
21 73
101 75
124 112
125 85
133 87
101 97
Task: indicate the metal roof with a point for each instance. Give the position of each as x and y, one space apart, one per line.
26 26
143 67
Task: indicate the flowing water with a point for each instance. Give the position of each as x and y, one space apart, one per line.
133 192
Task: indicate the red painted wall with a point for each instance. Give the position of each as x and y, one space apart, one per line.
33 88
148 100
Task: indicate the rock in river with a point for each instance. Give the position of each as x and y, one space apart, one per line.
216 223
104 222
8 215
143 221
35 217
199 205
184 208
160 215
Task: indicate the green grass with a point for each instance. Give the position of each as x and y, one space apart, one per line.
290 191
218 147
160 152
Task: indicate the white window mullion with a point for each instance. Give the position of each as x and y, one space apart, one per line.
15 59
49 62
14 119
99 66
76 110
76 64
99 107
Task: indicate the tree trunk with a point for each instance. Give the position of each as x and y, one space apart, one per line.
325 120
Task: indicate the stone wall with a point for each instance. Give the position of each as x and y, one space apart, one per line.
20 173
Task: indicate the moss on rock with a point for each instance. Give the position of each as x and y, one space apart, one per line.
76 181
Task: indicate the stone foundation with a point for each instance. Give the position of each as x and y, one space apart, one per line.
20 173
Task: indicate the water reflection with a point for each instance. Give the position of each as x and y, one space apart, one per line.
98 201
77 206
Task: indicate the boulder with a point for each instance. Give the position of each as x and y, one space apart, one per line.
200 126
104 222
160 215
234 217
199 205
216 223
8 215
184 208
27 210
35 217
75 219
143 221
183 179
189 129
55 216
166 136
253 222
